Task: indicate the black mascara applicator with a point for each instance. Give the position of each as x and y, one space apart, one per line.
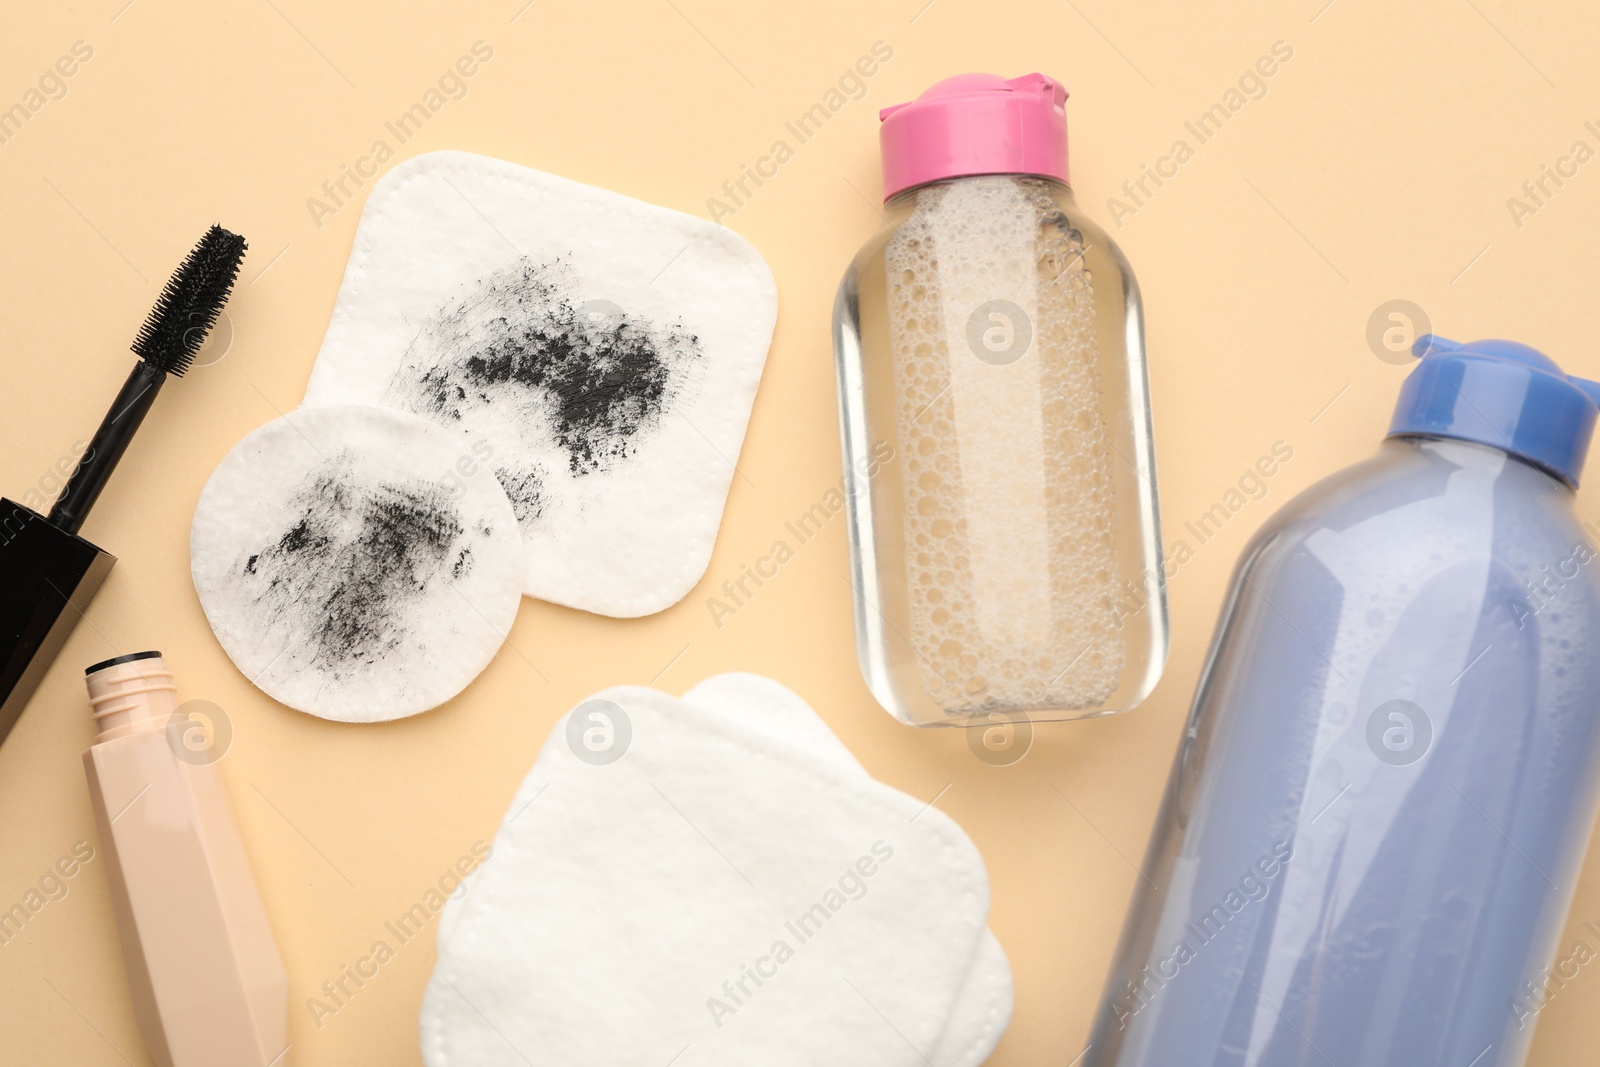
48 574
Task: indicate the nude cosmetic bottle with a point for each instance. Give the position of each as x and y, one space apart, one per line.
208 984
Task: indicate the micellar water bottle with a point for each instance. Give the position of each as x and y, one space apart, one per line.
990 341
1379 808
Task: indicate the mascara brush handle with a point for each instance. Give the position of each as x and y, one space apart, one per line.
110 442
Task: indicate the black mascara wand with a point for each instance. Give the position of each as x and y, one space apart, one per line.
174 331
48 574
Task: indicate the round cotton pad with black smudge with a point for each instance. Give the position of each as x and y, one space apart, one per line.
357 563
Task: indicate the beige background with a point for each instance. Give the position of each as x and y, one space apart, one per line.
1377 167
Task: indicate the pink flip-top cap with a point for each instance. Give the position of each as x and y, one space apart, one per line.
976 124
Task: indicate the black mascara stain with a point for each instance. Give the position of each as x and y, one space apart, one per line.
352 557
525 489
594 376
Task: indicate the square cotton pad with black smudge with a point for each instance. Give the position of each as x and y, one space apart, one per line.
357 563
604 350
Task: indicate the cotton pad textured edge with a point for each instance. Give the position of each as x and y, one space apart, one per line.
982 1009
356 563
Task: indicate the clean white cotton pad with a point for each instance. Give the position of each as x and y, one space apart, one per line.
715 895
983 1008
355 562
750 699
606 350
758 702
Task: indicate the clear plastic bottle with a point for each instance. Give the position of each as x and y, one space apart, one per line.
1380 805
996 426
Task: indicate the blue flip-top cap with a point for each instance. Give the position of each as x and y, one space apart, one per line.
1502 394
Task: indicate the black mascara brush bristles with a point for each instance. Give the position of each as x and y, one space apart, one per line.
167 343
189 305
